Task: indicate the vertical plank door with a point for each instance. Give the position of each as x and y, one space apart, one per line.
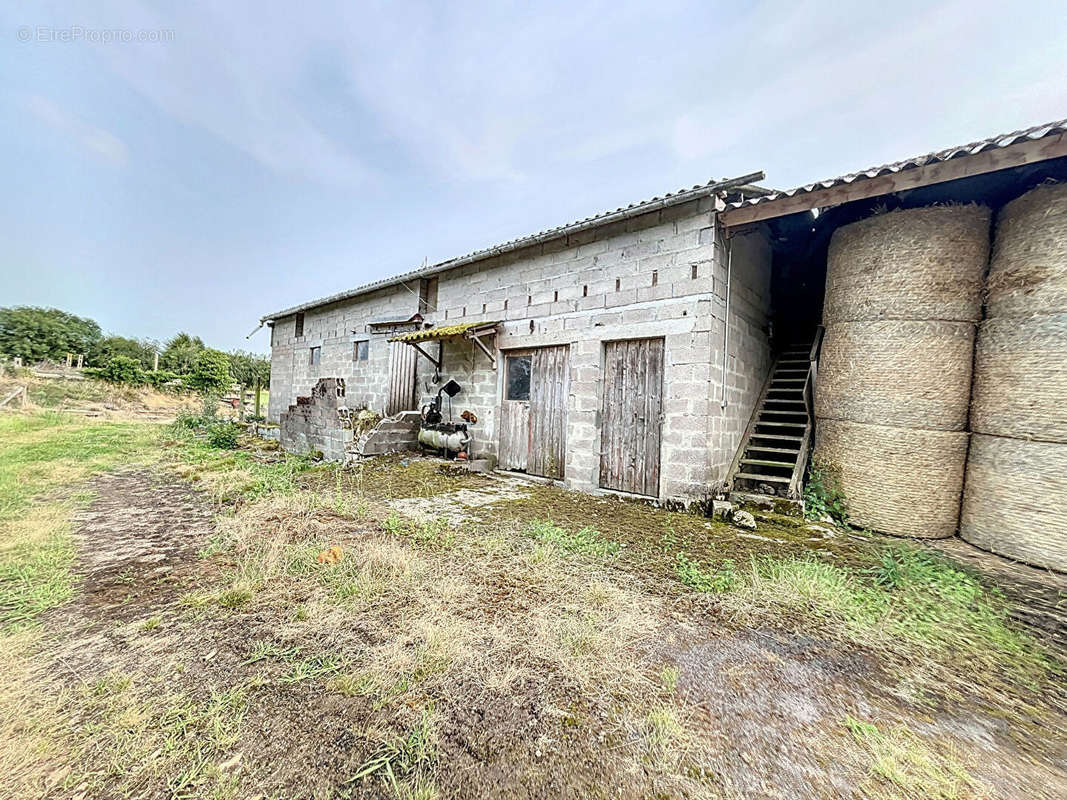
401 379
533 411
549 389
514 450
632 416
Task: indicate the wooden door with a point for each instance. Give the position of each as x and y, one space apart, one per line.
533 412
632 416
401 379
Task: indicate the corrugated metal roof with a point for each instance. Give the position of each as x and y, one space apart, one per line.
625 212
993 142
447 332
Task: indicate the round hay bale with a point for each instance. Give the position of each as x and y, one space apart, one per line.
1020 378
907 373
1028 271
900 481
921 263
1015 503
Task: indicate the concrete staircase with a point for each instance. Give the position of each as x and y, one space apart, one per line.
773 453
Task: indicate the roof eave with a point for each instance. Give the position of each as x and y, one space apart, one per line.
591 223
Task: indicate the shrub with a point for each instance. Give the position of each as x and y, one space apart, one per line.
160 379
823 496
223 435
125 370
211 372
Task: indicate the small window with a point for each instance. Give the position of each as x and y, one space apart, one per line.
585 290
316 356
555 297
518 387
299 325
618 284
361 350
655 277
694 271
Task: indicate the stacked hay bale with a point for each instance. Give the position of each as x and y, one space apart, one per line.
1015 501
903 297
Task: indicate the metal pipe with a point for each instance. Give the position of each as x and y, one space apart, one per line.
728 244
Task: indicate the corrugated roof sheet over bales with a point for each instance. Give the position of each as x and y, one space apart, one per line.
445 332
623 212
993 142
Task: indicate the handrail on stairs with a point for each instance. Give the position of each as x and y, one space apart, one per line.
797 480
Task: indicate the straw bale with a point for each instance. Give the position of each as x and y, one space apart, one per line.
920 263
1020 378
1015 503
900 481
905 373
1028 271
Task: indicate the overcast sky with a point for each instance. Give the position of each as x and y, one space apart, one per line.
260 154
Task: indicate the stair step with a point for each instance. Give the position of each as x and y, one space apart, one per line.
782 412
785 402
783 424
751 476
766 463
789 451
778 437
788 380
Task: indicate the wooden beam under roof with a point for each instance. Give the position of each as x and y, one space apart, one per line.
992 160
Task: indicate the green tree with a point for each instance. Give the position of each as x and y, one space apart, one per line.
142 351
248 368
180 353
39 334
211 372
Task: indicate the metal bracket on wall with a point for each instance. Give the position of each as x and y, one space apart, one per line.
435 361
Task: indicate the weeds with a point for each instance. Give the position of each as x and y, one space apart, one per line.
586 541
708 579
902 762
405 763
823 496
224 435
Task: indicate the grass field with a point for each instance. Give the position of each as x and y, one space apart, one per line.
404 629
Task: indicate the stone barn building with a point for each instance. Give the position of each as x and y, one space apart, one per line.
592 353
906 323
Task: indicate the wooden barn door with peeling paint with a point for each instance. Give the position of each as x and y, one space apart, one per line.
401 379
632 416
533 412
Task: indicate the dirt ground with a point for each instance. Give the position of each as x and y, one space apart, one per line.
660 694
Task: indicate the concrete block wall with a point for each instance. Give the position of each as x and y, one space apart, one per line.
318 422
748 360
390 436
657 275
336 328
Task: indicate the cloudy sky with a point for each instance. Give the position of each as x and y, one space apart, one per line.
250 155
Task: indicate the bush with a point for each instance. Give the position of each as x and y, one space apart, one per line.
161 378
223 435
124 370
211 372
198 420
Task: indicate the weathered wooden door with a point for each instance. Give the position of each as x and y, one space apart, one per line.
632 416
533 415
401 379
